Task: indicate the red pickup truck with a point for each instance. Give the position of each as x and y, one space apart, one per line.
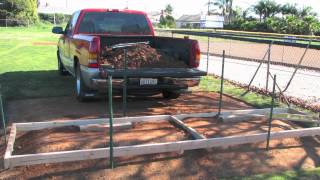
91 30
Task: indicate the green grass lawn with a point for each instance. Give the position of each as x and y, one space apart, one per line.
287 175
28 70
210 83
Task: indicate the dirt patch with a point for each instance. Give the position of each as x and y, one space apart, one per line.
71 138
211 128
244 160
142 56
44 43
64 108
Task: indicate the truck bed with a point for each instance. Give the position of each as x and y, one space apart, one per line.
177 47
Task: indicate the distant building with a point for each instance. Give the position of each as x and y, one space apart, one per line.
189 21
154 17
213 20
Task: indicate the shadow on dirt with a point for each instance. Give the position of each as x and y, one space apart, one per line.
35 84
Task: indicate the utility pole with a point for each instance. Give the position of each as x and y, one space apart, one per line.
127 4
209 7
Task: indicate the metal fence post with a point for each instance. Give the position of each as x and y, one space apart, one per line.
297 66
208 49
110 108
257 70
221 84
124 93
6 23
3 119
271 110
268 67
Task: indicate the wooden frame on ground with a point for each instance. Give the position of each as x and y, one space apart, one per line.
200 141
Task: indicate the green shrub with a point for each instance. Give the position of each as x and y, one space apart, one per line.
24 12
60 18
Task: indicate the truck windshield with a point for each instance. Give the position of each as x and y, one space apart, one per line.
114 23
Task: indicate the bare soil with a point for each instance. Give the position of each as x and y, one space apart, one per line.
141 56
211 127
71 138
64 108
287 154
43 43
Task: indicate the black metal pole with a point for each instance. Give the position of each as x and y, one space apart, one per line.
268 67
124 93
257 70
271 110
3 119
110 108
221 85
208 49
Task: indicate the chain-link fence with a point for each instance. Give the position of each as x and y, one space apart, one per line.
252 61
13 22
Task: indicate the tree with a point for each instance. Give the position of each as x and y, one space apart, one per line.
225 6
168 10
306 11
166 18
23 10
259 9
288 9
266 9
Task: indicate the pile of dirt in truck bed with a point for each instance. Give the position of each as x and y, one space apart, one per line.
141 56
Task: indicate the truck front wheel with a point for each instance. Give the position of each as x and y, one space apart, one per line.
81 89
170 94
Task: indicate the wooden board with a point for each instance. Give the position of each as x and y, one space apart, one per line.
199 143
105 127
19 160
193 132
237 113
10 145
53 124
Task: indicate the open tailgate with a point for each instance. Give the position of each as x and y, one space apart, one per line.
155 72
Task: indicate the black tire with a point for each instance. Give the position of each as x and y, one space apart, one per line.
170 94
81 89
62 71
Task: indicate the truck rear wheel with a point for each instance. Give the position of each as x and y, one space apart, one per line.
61 69
82 90
170 94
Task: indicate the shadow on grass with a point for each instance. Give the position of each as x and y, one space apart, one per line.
35 84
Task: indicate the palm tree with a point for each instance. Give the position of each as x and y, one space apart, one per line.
266 8
306 11
259 9
289 9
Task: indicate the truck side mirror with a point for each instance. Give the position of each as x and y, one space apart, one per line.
57 30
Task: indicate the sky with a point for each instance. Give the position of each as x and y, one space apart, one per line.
180 6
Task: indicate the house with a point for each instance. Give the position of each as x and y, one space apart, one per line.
214 20
154 17
189 21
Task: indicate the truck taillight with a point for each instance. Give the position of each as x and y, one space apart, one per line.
94 50
195 55
95 45
93 64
